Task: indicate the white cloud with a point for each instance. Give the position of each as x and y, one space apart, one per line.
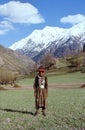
73 19
17 12
5 26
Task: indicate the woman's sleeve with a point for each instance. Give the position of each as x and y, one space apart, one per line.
35 84
46 85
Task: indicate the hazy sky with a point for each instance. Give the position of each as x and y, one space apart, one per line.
19 18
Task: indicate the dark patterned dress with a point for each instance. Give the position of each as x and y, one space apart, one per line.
40 91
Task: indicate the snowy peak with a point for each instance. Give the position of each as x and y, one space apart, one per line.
78 29
48 34
53 39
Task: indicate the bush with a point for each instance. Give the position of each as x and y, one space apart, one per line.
7 77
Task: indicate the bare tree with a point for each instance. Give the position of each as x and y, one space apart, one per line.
47 61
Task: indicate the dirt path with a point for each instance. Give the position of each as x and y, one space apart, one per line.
54 86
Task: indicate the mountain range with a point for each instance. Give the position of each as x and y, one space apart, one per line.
58 41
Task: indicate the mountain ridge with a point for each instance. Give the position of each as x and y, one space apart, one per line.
58 41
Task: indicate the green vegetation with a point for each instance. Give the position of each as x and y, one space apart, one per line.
66 110
68 78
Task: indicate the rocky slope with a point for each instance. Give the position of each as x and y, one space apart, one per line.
15 62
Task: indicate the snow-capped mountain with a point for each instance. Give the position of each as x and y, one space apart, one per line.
58 41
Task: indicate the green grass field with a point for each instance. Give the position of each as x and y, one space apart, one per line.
77 77
65 111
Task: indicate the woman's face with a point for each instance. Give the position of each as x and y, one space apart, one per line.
41 73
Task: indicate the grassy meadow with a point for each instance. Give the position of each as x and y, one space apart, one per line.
65 111
67 78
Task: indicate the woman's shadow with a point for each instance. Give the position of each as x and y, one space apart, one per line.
19 111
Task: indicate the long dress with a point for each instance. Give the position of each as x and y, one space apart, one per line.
40 91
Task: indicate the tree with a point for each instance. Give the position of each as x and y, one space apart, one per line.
47 61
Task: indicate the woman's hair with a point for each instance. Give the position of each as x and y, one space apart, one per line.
41 68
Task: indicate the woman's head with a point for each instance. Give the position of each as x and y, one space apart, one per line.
41 71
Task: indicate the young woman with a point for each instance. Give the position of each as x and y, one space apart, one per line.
40 91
